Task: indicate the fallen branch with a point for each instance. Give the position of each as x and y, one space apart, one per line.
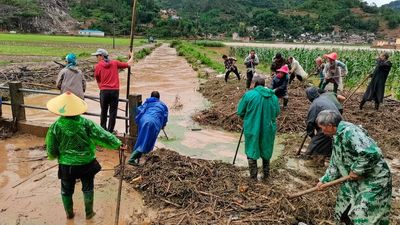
34 175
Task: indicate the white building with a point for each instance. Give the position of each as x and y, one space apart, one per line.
90 33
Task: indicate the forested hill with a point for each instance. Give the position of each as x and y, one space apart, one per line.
188 18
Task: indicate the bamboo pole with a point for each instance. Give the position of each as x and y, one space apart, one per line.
128 82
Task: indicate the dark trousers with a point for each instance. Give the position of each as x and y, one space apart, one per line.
68 185
108 102
292 76
335 85
234 70
249 75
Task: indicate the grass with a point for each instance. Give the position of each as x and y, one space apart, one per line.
38 38
195 54
50 45
210 43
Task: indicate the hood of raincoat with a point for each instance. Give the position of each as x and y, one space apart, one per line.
264 91
312 93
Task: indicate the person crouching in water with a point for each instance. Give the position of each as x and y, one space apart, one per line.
72 140
280 84
151 117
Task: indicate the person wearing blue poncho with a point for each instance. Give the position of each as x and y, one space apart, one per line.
151 117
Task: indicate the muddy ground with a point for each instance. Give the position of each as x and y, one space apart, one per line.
382 125
177 189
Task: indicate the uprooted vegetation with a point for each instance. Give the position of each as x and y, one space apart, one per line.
200 191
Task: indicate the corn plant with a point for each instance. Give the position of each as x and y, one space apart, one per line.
360 63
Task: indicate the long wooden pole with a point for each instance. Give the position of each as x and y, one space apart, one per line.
237 148
358 87
329 184
302 144
128 82
121 174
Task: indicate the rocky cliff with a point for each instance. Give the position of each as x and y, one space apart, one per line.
50 16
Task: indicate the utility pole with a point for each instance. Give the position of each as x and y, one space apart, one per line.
114 32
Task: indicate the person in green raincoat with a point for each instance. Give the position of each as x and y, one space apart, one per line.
72 140
366 198
259 109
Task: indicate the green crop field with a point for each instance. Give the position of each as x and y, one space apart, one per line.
360 63
51 45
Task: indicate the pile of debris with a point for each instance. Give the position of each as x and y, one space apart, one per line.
195 191
382 125
39 75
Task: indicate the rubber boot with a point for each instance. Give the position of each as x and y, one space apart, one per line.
253 169
376 105
265 169
285 102
362 103
88 198
134 160
68 205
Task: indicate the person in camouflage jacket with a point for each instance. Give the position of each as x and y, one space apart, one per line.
365 199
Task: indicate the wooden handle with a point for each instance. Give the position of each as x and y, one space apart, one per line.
302 144
329 184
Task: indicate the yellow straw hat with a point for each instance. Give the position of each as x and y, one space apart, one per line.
67 104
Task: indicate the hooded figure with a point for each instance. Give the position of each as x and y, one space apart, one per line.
376 88
320 144
71 78
259 109
151 117
72 140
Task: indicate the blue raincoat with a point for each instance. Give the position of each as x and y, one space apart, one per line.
151 117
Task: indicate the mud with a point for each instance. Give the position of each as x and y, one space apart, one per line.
37 201
382 125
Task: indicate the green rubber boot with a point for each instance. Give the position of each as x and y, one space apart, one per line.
68 205
88 198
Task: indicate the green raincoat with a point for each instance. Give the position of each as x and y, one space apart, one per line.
369 199
259 109
73 140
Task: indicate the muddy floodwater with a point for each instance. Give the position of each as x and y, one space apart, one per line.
37 201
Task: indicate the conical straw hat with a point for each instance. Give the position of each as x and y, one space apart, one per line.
67 104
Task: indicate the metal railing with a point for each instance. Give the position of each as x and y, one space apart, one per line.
18 107
57 93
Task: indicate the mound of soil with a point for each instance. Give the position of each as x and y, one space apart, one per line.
195 191
39 75
382 125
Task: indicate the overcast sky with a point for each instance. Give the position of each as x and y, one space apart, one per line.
379 2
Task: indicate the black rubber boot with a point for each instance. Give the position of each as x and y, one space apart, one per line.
376 105
285 102
253 169
362 103
265 169
68 206
88 198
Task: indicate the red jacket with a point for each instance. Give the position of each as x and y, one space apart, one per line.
106 74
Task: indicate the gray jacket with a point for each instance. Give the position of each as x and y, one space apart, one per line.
71 79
